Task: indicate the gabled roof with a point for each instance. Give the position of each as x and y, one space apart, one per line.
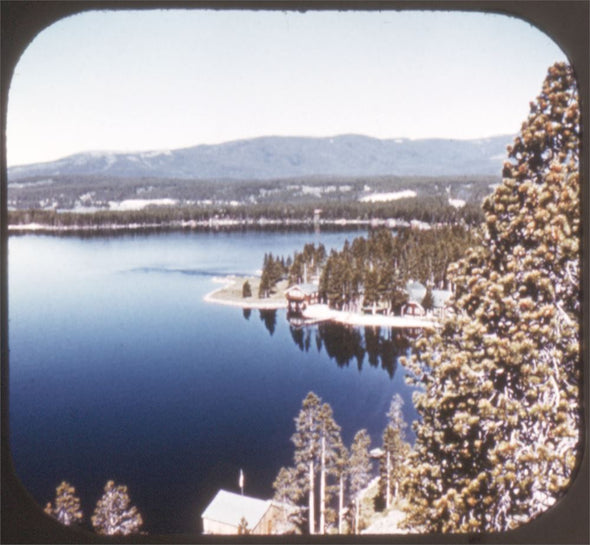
308 289
229 508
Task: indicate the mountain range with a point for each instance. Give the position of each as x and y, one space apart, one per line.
274 157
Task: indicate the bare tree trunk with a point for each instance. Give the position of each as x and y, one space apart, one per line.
356 514
388 480
311 499
340 503
323 488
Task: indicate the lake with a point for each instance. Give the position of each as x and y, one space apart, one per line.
119 370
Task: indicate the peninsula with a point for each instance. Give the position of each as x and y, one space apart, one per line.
231 294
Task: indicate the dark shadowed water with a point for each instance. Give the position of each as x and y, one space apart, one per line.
119 370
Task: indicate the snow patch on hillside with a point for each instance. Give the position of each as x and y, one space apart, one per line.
384 197
139 204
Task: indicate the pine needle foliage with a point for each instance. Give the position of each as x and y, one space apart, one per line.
67 505
395 452
359 472
114 514
498 438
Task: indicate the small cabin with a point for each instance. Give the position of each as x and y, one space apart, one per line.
300 296
226 513
413 308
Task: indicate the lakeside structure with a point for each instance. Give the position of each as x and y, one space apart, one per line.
302 300
231 514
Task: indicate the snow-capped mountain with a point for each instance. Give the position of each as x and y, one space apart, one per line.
275 157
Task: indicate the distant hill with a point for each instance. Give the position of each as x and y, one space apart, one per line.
274 157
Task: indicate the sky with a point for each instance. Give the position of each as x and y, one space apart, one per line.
157 80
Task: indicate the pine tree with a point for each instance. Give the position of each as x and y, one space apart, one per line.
359 472
246 289
330 445
341 463
395 451
243 527
286 487
113 514
307 446
428 300
500 410
288 491
67 505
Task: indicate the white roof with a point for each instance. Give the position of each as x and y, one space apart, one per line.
305 288
229 508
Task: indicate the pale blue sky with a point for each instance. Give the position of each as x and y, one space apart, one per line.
131 81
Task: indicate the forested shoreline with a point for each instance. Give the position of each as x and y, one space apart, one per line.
373 271
429 210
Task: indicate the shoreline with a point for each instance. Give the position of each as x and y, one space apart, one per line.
227 223
233 300
320 313
313 313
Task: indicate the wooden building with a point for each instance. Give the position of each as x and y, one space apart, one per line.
413 308
300 296
228 511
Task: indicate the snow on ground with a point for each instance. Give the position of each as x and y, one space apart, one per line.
384 197
139 204
323 313
457 203
387 524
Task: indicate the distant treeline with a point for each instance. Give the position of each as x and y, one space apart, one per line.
426 209
68 191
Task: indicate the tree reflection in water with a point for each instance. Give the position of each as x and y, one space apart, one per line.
269 317
344 344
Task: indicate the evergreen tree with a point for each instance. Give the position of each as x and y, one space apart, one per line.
113 514
341 463
286 487
67 505
359 472
330 448
395 451
428 300
243 527
288 491
500 411
307 447
246 289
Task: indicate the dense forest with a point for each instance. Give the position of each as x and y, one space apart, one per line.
372 273
68 201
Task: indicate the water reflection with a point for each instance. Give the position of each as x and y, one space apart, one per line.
269 317
381 346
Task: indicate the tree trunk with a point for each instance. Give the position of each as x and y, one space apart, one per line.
323 488
311 499
340 503
388 481
356 514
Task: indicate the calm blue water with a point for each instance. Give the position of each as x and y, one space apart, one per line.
119 370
